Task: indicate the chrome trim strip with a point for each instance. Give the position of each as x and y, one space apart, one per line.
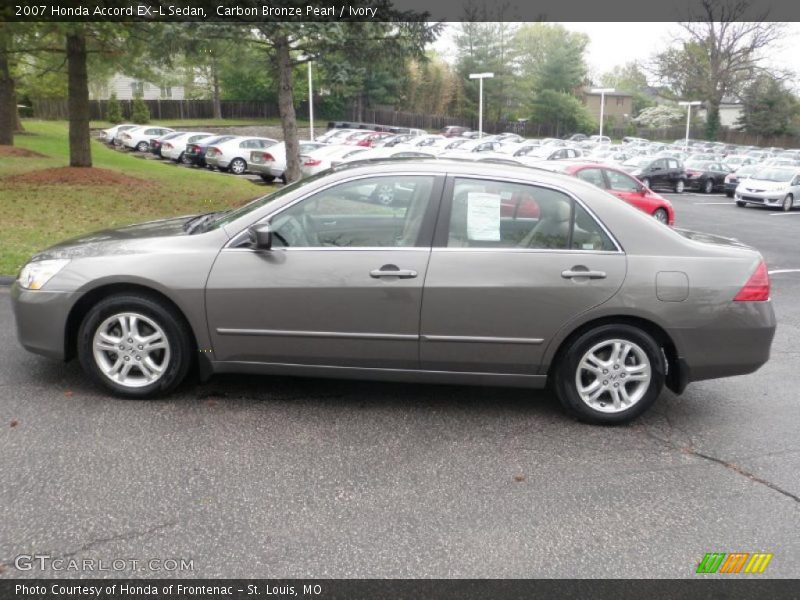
337 249
482 340
318 334
528 250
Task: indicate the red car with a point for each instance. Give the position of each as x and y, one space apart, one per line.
624 186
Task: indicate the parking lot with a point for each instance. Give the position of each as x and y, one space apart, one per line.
278 477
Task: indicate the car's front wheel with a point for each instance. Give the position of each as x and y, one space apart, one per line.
610 374
741 204
788 203
646 183
135 346
661 215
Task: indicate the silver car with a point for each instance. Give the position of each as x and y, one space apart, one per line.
776 187
483 274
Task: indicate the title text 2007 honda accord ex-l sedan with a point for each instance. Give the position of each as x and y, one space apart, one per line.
427 271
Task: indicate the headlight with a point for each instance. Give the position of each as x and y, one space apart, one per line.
35 274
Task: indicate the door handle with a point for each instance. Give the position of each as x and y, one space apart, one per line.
393 271
572 274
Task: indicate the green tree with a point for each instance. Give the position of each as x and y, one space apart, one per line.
632 79
140 114
716 54
769 108
114 110
561 110
550 57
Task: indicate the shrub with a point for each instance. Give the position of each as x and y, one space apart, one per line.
114 110
141 114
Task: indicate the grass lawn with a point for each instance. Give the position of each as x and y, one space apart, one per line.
33 216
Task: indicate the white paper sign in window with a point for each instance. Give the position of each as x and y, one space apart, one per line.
483 217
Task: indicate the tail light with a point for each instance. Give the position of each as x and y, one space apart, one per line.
312 162
367 143
213 151
692 173
730 178
167 146
267 157
193 149
757 287
126 136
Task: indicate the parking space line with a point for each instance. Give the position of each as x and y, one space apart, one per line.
713 203
784 214
778 271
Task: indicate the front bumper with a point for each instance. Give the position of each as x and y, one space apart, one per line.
762 198
41 318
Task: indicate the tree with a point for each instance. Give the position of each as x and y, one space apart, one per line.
8 94
660 116
716 54
769 108
632 79
550 57
140 112
114 110
561 110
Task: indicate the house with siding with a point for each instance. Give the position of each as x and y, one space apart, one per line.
127 88
618 106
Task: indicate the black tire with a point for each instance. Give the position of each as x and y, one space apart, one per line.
788 203
680 185
186 160
267 178
661 215
566 371
741 204
237 166
708 186
729 194
646 183
142 147
174 327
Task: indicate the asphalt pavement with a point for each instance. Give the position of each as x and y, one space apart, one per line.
281 477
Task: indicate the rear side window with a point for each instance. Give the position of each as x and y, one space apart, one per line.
500 214
593 176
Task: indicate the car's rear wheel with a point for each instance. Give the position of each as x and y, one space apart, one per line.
788 203
267 178
237 166
610 374
142 146
661 215
741 204
729 194
135 346
646 182
708 186
680 185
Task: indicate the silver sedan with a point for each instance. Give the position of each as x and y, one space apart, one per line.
476 273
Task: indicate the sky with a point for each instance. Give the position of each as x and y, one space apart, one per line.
614 44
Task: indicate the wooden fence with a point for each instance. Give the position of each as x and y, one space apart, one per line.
167 109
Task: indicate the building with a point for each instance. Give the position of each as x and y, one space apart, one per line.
127 88
730 110
618 108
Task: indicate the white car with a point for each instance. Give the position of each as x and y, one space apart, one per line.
335 136
109 136
138 138
271 163
174 148
320 159
378 153
233 155
777 187
550 153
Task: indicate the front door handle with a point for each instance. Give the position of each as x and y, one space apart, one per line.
393 271
574 273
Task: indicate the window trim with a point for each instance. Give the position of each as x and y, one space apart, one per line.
426 232
442 231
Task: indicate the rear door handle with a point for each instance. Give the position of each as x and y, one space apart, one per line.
588 274
393 271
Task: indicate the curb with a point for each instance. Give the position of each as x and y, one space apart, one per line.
7 279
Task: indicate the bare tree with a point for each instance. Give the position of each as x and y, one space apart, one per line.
717 53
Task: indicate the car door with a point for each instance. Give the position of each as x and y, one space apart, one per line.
624 187
657 173
499 287
342 286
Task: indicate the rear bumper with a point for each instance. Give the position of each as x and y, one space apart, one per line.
263 169
737 342
41 318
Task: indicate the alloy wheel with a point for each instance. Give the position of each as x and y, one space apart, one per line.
613 375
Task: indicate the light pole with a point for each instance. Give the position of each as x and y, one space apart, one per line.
688 106
480 77
310 103
602 92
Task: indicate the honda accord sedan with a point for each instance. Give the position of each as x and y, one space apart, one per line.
586 294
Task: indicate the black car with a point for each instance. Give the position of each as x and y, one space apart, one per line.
732 179
706 175
658 172
195 153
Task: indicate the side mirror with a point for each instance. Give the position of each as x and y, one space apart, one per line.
261 236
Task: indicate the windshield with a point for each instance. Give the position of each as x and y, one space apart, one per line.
637 162
231 215
775 174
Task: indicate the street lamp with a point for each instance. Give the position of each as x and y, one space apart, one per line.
480 77
688 106
602 92
308 58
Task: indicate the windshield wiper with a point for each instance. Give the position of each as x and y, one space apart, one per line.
195 223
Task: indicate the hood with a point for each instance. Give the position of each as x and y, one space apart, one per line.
764 185
708 238
122 240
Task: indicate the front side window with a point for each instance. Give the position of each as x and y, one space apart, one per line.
365 213
495 214
621 182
